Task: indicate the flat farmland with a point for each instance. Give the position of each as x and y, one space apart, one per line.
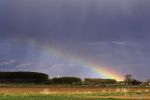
74 92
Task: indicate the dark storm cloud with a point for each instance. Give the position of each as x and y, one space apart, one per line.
96 30
78 20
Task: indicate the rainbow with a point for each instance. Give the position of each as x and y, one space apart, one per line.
102 71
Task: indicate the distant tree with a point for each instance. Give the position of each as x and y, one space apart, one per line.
148 80
66 80
130 81
98 81
23 77
128 78
110 81
134 82
93 81
49 81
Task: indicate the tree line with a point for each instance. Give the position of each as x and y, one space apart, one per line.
36 77
97 81
23 77
78 81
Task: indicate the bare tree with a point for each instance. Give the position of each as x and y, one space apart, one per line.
128 78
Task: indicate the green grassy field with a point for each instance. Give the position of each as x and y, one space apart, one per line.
48 97
73 93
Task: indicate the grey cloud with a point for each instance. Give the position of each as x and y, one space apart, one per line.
78 20
110 32
9 64
7 61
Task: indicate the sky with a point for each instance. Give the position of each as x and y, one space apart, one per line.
59 37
